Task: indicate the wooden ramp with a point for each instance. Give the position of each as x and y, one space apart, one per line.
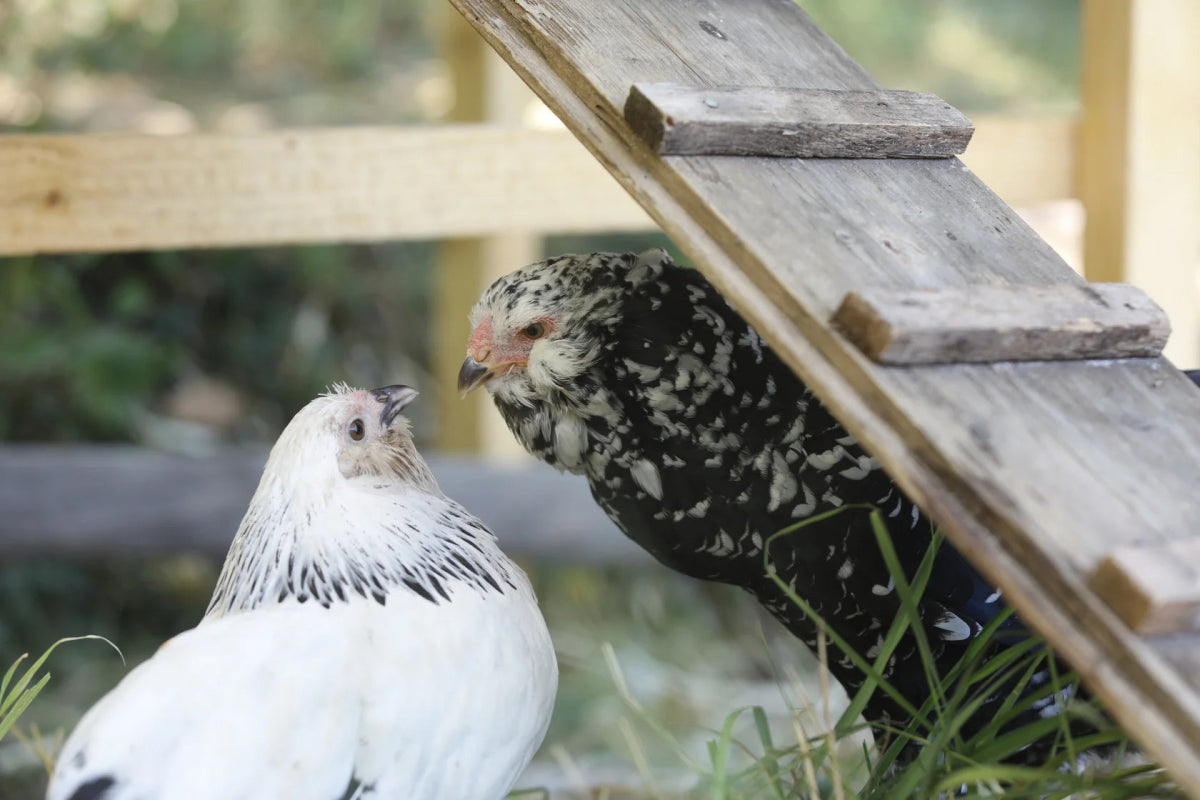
1037 470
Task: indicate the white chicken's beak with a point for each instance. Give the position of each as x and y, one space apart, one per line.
394 398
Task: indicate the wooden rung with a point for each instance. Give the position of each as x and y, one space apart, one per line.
1003 323
807 123
1155 589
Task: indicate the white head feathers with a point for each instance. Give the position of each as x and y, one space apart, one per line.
351 433
347 506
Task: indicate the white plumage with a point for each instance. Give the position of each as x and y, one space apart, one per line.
367 638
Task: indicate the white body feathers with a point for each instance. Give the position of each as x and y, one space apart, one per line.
367 635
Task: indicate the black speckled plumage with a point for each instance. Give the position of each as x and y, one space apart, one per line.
700 443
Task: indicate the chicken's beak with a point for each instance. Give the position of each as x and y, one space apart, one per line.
471 376
394 398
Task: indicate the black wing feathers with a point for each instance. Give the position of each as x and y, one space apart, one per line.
729 426
95 789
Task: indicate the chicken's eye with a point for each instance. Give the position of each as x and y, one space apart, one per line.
357 430
534 330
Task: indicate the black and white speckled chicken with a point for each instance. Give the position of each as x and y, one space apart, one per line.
700 444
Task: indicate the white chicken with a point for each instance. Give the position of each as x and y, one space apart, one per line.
367 638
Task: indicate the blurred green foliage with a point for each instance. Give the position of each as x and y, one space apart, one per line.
981 55
68 367
309 61
86 342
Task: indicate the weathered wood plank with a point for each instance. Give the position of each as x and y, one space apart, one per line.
1155 590
1036 470
124 502
675 119
982 324
127 192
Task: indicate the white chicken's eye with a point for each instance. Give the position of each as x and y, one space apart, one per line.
534 330
357 430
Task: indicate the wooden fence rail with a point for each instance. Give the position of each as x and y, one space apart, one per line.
91 192
126 502
134 192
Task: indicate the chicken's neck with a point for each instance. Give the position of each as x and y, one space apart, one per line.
357 543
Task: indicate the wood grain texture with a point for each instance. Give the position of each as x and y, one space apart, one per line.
982 324
96 193
676 119
1155 590
1035 470
117 192
128 502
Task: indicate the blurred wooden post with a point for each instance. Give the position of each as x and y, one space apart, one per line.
485 90
1140 155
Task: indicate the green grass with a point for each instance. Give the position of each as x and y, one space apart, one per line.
17 693
834 759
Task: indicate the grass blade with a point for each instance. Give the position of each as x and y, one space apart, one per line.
16 697
20 703
8 677
719 753
769 764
